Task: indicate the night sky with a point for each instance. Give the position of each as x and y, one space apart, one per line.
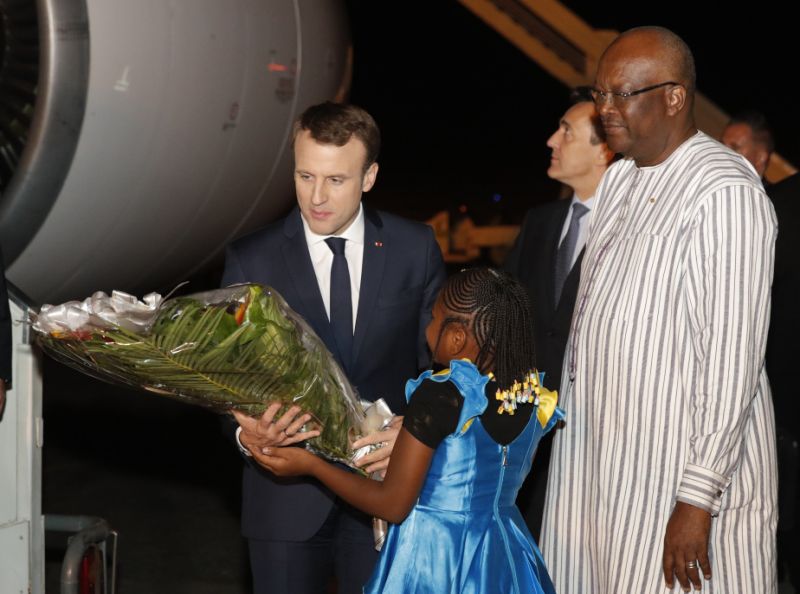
465 115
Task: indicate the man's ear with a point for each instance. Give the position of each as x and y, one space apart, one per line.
369 177
762 161
675 99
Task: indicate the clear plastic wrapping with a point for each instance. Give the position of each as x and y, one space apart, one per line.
241 347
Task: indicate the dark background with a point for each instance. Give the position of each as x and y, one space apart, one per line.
465 117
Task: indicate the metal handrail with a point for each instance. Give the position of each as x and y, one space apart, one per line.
89 530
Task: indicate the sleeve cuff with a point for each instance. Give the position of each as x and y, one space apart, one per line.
242 449
702 488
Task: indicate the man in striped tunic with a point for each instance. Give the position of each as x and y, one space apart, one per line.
665 472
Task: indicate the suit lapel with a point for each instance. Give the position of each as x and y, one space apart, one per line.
575 271
576 268
371 276
298 263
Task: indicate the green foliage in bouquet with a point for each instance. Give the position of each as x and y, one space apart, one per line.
241 351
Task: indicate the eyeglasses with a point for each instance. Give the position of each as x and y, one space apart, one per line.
619 98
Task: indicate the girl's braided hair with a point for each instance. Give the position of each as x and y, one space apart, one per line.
500 320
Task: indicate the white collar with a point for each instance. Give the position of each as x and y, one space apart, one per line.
353 233
588 203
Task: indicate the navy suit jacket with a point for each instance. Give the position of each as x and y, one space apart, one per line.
533 262
401 274
784 323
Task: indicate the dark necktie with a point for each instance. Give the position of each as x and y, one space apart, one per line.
566 250
341 303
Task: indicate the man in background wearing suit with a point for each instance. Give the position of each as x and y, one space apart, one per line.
749 134
546 258
365 281
781 361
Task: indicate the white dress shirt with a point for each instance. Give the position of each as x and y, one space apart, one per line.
322 260
583 226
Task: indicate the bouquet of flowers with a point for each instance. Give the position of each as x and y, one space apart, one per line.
236 348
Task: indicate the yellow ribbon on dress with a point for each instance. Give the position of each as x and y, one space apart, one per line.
548 399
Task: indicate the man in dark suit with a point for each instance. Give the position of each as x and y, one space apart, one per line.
781 361
365 281
749 134
546 258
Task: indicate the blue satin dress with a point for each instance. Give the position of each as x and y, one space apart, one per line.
466 535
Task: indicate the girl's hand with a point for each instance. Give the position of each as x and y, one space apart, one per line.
378 461
286 461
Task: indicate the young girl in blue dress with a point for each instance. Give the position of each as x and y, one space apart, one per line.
468 439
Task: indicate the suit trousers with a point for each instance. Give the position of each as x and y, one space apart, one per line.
343 547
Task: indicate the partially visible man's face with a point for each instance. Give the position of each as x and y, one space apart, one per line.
329 180
634 126
574 157
741 139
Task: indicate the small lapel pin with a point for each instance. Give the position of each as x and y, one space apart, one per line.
378 244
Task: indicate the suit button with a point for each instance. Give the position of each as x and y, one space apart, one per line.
551 333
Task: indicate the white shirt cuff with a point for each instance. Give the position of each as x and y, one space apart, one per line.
702 488
244 450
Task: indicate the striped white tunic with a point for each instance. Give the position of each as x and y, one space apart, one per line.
664 383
